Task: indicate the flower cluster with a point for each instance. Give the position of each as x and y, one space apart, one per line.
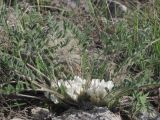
97 90
73 87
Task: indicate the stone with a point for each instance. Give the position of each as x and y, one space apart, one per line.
17 119
97 113
39 113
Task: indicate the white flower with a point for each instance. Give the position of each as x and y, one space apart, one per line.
96 91
124 8
110 85
74 87
52 97
70 92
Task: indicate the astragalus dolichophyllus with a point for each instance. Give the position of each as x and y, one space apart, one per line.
97 89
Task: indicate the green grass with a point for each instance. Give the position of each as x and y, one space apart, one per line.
31 55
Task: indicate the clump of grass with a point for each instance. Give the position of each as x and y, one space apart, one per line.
35 57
